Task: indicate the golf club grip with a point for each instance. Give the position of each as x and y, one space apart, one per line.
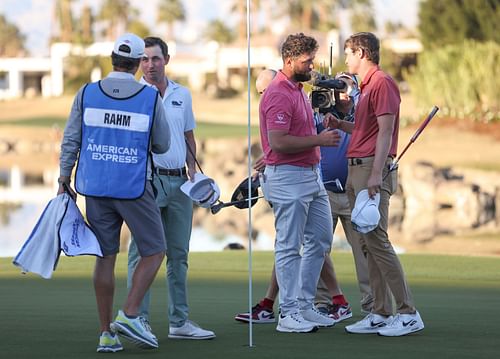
216 209
433 112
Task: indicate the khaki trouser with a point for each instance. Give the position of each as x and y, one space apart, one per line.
339 204
384 268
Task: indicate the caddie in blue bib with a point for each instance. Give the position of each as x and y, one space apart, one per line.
115 143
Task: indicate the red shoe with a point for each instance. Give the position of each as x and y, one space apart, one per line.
339 312
260 315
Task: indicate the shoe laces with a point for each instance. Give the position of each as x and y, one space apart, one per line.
318 312
333 308
194 324
145 324
297 317
396 321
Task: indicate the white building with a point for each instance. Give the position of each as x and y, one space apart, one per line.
195 64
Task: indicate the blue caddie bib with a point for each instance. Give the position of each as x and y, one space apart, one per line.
115 143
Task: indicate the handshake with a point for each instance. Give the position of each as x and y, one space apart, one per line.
332 122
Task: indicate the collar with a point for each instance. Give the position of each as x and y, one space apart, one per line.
121 75
291 84
368 76
171 85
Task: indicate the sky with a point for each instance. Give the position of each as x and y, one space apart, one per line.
33 17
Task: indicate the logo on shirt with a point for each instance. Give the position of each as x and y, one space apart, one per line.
176 103
280 119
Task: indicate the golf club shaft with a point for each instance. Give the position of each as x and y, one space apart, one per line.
433 112
417 133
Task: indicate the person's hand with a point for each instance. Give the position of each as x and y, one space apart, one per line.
329 138
374 184
330 121
259 164
64 186
191 172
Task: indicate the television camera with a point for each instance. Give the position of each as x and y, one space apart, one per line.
322 95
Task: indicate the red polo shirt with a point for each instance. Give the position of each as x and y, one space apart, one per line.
284 106
379 96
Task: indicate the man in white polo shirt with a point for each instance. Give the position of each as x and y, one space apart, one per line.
176 208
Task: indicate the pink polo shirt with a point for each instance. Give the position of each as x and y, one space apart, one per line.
379 96
284 106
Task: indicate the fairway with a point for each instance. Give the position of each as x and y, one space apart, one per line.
458 298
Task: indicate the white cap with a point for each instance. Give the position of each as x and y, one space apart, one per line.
365 215
203 191
129 45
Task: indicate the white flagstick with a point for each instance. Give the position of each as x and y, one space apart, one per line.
250 323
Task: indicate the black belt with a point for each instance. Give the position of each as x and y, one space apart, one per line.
359 161
176 172
355 161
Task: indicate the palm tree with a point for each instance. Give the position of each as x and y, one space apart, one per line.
86 23
362 16
139 28
171 11
309 14
218 31
64 19
11 39
117 14
239 7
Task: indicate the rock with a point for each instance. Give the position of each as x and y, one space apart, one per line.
429 200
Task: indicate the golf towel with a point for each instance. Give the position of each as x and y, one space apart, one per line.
59 227
76 237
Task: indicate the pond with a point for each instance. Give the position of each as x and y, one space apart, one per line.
430 202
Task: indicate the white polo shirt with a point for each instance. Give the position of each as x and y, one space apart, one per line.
178 106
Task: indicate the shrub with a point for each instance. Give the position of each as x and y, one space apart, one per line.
463 80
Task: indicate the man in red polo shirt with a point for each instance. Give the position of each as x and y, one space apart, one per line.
373 145
292 183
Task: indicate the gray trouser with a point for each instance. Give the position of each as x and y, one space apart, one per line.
176 211
302 221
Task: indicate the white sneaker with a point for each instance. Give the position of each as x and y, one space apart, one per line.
295 323
190 330
370 324
316 317
403 324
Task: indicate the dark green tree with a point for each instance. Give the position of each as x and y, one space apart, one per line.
169 12
65 21
310 14
362 16
447 22
85 34
11 39
139 28
117 14
218 31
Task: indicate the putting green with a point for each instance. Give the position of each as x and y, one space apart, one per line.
457 297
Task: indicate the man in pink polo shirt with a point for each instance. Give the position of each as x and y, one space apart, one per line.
373 145
292 183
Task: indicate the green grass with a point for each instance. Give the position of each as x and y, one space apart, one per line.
458 298
203 129
218 130
36 122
